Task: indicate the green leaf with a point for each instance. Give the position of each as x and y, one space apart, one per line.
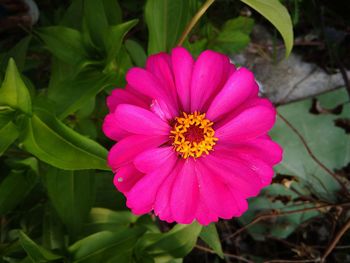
54 143
72 194
166 20
329 143
115 38
278 15
102 246
36 253
176 243
64 43
276 197
8 134
53 229
72 93
17 184
210 235
113 11
136 52
13 91
234 35
18 53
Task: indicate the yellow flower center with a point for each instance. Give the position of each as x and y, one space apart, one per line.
193 135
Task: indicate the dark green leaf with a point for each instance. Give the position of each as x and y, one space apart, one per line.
136 52
18 53
176 243
210 235
166 20
13 91
8 132
36 253
113 12
72 194
53 142
64 43
278 15
100 247
53 229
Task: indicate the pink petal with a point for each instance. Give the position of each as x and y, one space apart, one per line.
120 96
147 84
150 160
204 215
182 63
264 149
112 129
210 72
140 121
237 89
141 198
126 177
249 124
216 195
185 194
126 149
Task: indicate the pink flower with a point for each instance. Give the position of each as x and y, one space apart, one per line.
191 136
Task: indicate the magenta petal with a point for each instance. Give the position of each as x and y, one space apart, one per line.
249 124
140 121
119 96
147 84
237 89
204 215
185 194
126 177
182 63
111 128
150 160
141 198
126 149
210 73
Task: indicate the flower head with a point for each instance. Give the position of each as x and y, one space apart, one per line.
192 140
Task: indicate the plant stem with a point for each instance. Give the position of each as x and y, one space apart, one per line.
194 21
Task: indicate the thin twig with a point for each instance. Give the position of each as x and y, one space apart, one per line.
335 241
312 155
194 21
205 249
278 214
290 261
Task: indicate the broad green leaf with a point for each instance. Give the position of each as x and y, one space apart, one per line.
278 15
136 52
36 253
18 53
115 38
96 22
8 134
102 246
17 184
166 20
101 219
54 143
176 243
64 43
330 144
53 229
113 11
276 197
234 36
71 94
13 91
210 235
72 194
73 16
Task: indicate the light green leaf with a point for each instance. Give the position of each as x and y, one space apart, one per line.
278 15
115 37
36 253
210 235
13 91
329 143
102 246
136 52
64 43
176 243
166 20
72 194
54 143
17 184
